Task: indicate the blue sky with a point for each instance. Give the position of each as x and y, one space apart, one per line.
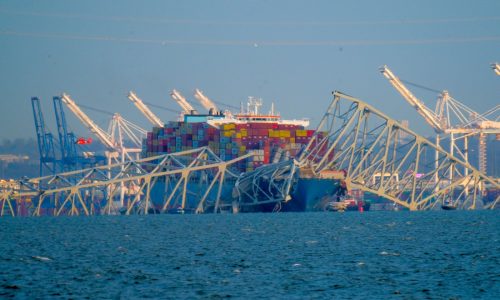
294 53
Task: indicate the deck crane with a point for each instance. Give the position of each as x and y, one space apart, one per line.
452 118
205 101
183 103
45 139
145 110
496 68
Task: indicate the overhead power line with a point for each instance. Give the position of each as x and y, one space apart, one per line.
254 43
253 23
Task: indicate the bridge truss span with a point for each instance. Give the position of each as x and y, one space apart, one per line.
380 156
192 179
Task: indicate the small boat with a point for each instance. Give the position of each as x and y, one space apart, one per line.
448 205
176 211
348 205
336 206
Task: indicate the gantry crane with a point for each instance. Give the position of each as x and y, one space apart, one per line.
452 118
67 140
119 132
205 101
145 110
93 127
45 139
183 103
71 157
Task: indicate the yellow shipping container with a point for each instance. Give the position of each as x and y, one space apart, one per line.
243 148
229 126
301 133
284 133
238 135
228 133
292 140
273 133
244 133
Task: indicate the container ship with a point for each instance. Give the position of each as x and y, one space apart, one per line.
268 137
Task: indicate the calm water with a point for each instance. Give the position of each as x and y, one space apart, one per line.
373 255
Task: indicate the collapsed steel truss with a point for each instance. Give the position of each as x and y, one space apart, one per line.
269 184
381 156
196 175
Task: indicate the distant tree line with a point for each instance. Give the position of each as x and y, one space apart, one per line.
20 146
17 169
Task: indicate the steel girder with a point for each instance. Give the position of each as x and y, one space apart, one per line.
197 174
380 156
266 185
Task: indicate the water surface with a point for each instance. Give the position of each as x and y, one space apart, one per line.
401 255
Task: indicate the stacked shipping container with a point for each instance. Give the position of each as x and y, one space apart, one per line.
270 142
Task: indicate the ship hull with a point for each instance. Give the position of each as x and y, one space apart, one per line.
307 194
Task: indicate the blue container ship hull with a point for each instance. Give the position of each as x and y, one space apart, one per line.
307 194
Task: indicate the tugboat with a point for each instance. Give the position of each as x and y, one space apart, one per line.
343 203
356 205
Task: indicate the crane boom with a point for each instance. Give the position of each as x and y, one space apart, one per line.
205 101
496 68
186 107
429 116
93 127
145 110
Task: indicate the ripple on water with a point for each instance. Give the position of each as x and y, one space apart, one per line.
310 255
